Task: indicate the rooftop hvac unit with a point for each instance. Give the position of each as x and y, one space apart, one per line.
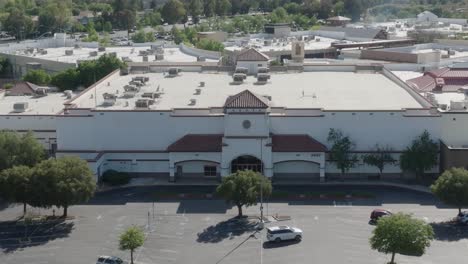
150 95
20 107
193 101
142 79
113 54
202 84
143 103
159 57
101 49
77 46
143 53
197 91
238 77
43 52
68 52
263 78
457 105
145 58
263 70
317 39
201 58
126 59
109 99
136 83
241 70
131 88
174 71
93 53
443 106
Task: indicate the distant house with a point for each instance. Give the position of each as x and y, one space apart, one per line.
338 21
441 80
252 59
85 17
21 88
427 16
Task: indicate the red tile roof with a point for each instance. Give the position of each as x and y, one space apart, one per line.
22 88
449 80
296 143
252 55
198 143
246 99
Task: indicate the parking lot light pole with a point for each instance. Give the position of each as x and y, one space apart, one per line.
261 184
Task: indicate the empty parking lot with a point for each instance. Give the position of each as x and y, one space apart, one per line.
201 231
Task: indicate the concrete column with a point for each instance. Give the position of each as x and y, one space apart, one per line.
322 168
171 173
268 172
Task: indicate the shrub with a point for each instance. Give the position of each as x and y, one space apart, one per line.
114 178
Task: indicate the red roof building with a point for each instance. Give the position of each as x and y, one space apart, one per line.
441 80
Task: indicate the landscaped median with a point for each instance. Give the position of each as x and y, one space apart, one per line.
275 196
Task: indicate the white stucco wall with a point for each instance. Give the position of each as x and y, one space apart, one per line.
252 65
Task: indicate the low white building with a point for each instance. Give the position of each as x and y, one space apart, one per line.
200 125
251 59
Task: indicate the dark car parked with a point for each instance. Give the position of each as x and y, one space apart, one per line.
378 213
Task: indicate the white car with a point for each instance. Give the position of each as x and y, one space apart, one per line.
463 218
281 233
109 260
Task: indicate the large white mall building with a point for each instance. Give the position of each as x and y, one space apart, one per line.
204 122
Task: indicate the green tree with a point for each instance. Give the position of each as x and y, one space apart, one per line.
379 158
139 36
5 67
16 149
195 9
18 24
401 234
131 239
209 7
173 11
66 80
69 181
452 187
340 151
223 7
107 27
38 77
208 44
338 8
420 156
243 188
15 185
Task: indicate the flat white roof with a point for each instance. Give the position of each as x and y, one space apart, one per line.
279 44
46 105
327 90
58 54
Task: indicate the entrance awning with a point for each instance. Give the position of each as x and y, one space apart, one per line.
197 143
296 143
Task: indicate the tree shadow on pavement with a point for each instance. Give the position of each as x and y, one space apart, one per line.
270 244
16 235
228 229
449 231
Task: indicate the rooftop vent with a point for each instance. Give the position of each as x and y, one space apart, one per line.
93 53
145 58
20 107
136 83
143 53
201 58
202 84
68 52
77 46
101 49
68 94
193 101
197 91
43 52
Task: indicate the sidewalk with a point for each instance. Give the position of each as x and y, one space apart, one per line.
139 182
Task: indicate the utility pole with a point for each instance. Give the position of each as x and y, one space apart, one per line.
261 183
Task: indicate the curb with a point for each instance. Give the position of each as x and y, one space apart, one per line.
416 188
